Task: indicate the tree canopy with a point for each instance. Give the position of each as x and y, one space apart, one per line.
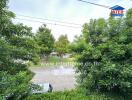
107 55
17 47
45 40
62 45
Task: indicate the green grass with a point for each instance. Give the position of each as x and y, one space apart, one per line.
52 62
73 95
58 59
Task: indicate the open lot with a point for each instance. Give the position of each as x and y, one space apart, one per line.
61 78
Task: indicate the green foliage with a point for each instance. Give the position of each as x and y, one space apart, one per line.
62 45
73 95
107 56
94 31
17 47
45 40
129 18
78 45
14 86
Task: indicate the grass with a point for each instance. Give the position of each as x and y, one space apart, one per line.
52 62
73 95
58 59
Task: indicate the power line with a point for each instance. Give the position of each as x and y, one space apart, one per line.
48 23
95 4
49 20
108 7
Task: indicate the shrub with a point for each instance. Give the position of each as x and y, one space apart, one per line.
72 95
109 56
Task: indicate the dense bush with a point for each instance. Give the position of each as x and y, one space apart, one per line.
107 58
17 47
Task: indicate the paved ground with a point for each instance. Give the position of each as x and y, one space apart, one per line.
61 78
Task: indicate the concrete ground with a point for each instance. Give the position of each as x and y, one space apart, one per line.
61 78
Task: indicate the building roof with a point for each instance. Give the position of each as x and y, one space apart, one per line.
116 7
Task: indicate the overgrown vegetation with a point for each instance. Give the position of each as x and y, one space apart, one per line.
17 46
106 55
73 95
104 48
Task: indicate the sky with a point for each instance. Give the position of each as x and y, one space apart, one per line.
72 11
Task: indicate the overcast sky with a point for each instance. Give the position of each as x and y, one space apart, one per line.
71 11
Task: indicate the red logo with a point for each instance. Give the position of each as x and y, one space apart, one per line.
117 11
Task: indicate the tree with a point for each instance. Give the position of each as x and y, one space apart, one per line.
45 40
78 45
62 45
107 57
17 47
95 31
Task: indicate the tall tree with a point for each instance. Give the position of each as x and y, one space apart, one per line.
45 40
107 58
62 45
17 46
94 31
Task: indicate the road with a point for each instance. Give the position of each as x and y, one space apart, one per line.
61 78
